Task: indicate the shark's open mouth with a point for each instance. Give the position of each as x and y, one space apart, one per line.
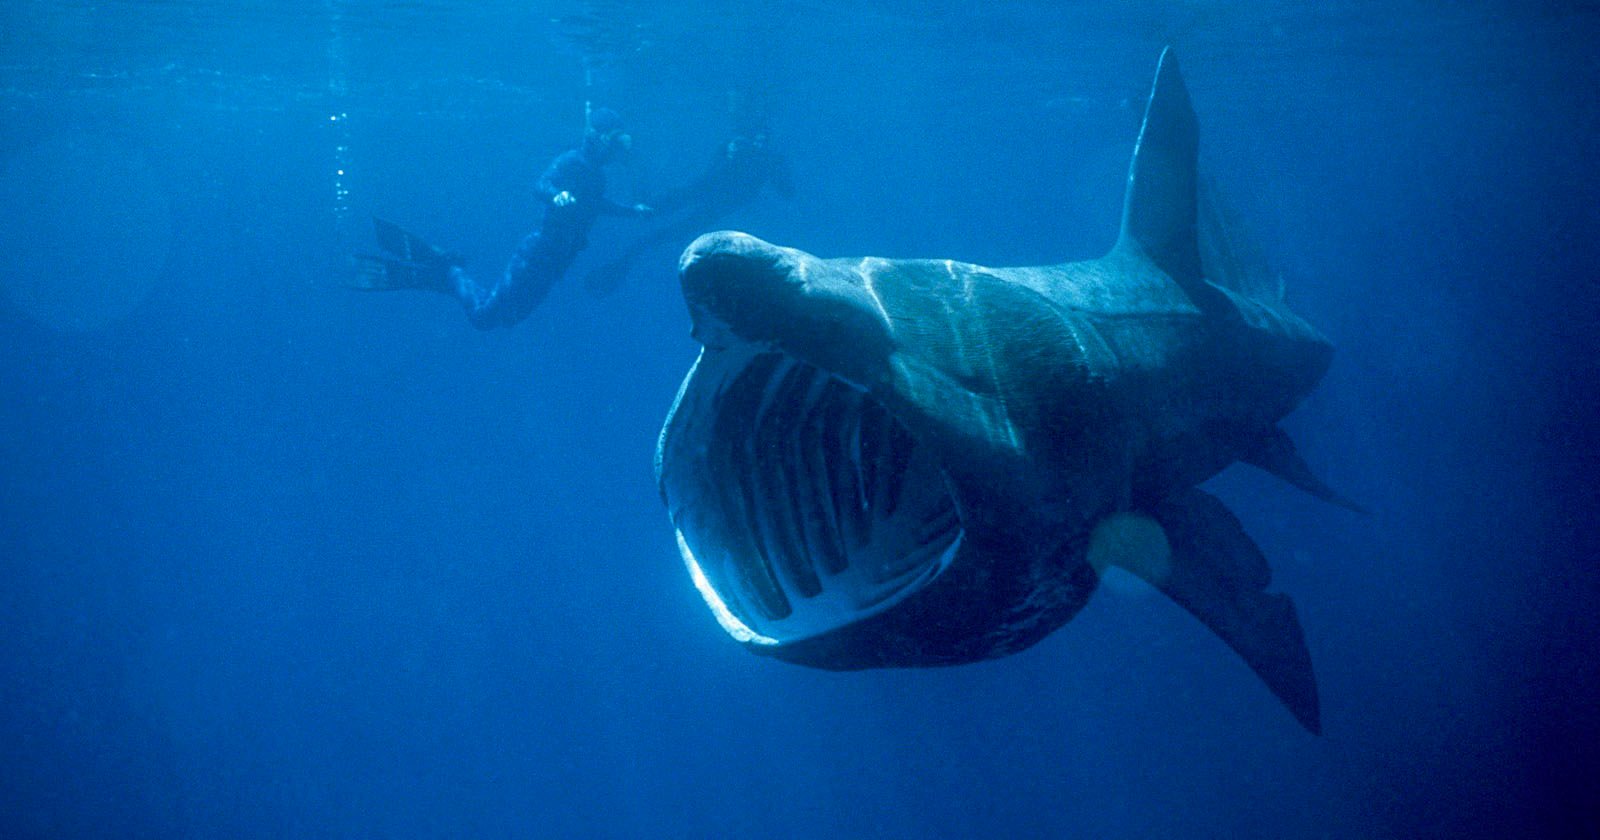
801 504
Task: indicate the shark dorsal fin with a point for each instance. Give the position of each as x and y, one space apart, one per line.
1159 212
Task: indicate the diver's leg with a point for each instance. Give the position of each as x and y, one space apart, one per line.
472 294
534 268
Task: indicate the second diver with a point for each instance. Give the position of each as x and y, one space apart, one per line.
573 192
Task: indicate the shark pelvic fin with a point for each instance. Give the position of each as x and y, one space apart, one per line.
1274 452
1159 210
1200 557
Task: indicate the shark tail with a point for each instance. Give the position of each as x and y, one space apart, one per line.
1228 256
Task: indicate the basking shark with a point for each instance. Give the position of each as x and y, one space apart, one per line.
888 463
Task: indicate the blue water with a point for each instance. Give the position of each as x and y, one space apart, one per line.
282 559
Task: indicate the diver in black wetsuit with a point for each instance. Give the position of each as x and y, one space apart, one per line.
572 189
739 171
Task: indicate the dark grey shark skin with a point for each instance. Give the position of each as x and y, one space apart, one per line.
887 463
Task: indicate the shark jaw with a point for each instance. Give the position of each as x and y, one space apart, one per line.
800 504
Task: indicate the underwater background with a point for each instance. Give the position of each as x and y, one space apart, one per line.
283 559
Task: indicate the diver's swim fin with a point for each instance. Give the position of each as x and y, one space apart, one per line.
386 274
408 247
411 263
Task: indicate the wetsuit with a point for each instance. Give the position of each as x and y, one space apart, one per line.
738 173
545 254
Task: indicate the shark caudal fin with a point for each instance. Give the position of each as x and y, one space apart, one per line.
1229 257
1159 211
1193 549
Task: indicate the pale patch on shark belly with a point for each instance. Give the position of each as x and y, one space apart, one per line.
1131 541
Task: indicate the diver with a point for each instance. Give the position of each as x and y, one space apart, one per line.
572 190
739 170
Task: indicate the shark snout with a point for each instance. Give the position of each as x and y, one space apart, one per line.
737 287
740 289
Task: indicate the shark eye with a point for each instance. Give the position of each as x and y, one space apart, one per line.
812 507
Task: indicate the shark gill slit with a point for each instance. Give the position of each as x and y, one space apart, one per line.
827 494
741 504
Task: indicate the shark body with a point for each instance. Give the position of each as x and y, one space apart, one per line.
895 463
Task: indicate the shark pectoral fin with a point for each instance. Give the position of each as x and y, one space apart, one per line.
1210 567
1274 452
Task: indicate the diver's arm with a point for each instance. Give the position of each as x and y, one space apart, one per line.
607 207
